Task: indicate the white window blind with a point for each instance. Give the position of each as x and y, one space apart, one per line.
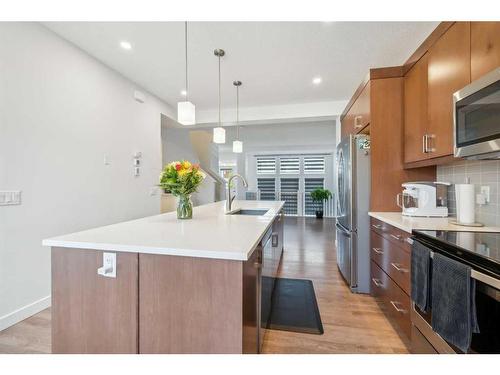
314 164
266 165
289 165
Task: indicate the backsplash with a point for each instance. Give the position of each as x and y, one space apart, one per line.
481 173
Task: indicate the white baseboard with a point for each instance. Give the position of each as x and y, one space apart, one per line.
24 312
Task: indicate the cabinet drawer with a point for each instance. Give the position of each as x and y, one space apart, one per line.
396 302
394 260
419 344
395 235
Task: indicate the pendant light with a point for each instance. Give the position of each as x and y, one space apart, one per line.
186 114
219 131
237 144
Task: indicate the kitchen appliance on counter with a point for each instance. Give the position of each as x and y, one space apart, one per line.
476 117
425 199
480 251
353 200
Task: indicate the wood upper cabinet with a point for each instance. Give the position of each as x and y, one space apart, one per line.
428 95
448 71
485 48
358 115
415 114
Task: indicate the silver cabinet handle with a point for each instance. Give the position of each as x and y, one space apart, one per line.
409 240
398 237
398 309
399 202
424 143
399 268
377 226
356 124
427 148
377 282
378 250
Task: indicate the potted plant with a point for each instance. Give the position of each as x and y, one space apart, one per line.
319 196
182 179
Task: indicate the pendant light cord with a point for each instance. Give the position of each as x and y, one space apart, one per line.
237 113
219 94
186 51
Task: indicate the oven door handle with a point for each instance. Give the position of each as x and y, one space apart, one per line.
479 276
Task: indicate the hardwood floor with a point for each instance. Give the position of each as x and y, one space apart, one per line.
31 336
353 323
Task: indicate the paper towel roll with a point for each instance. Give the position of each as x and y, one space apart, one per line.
464 194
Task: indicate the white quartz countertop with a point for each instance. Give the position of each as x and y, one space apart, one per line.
210 234
406 223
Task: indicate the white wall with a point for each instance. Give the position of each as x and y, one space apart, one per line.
61 111
176 145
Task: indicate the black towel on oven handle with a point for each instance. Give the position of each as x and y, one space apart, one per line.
420 275
453 301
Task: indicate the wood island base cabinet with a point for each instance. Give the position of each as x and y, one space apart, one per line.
162 303
156 304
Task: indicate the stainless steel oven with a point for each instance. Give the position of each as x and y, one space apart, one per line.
481 252
476 117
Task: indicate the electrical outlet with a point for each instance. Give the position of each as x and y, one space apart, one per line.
108 268
485 192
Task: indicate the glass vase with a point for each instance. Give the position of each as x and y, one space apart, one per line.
184 207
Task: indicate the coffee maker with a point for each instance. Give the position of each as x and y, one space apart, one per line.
424 199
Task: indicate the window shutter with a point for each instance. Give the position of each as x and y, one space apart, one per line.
266 165
314 164
290 165
267 188
288 193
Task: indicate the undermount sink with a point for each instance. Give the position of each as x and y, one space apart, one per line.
249 212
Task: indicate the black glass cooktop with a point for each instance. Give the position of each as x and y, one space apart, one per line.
480 249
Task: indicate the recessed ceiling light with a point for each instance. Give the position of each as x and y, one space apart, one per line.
183 92
125 45
317 80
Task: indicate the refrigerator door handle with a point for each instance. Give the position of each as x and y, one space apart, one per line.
343 230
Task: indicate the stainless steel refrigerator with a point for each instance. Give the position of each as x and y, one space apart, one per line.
353 201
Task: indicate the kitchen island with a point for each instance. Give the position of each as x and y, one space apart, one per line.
162 285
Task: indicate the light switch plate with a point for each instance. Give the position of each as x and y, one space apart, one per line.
9 198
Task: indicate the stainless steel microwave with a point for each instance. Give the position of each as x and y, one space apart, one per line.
476 118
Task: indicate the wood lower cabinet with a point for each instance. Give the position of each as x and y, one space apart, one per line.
419 344
196 305
162 303
485 48
390 273
90 313
395 261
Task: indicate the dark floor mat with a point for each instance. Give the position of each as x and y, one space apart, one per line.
295 307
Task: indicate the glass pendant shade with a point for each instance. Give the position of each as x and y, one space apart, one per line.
237 147
186 114
219 135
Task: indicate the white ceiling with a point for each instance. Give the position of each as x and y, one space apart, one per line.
276 61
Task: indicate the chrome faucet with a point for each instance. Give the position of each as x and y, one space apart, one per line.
229 200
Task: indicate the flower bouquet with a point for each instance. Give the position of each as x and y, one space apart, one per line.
182 179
